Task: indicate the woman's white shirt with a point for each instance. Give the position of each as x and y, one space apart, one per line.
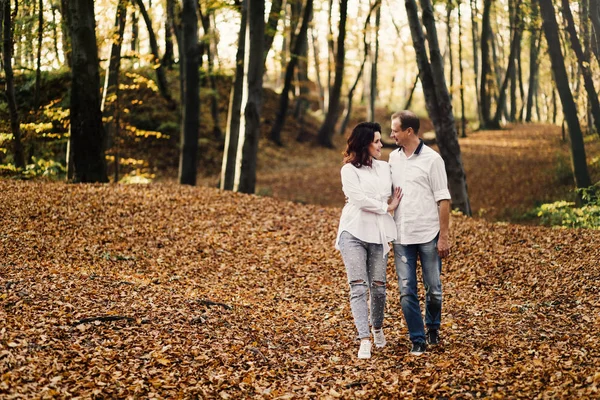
365 216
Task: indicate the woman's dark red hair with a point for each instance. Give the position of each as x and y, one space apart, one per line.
357 148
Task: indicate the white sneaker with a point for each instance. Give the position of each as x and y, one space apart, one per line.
365 349
378 338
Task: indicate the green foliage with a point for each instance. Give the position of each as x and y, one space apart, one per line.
169 128
590 195
38 168
8 170
137 177
566 214
45 168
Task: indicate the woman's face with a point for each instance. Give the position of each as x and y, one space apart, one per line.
375 146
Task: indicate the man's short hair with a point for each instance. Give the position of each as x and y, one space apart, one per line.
408 119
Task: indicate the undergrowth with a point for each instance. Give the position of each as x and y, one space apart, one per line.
568 215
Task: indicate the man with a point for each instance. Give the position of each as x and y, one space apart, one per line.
422 221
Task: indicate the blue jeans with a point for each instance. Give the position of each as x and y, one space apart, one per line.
405 258
365 268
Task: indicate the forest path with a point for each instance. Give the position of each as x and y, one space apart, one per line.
508 171
226 295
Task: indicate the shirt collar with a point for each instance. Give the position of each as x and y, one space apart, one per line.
418 149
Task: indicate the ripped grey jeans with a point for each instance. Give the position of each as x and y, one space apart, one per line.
365 267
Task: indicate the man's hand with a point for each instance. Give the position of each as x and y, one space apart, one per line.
443 247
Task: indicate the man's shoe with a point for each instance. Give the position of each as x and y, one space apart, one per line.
418 348
379 338
433 337
365 349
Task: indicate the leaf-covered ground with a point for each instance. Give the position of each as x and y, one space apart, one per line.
167 291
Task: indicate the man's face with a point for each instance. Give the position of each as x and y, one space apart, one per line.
397 134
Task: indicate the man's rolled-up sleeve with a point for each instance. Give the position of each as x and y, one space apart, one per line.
439 180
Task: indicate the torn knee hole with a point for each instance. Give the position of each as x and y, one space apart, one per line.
378 283
358 282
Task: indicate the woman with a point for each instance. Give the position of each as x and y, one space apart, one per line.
365 229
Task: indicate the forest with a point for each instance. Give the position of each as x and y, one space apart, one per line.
170 190
154 79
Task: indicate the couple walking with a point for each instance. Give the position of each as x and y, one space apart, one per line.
413 185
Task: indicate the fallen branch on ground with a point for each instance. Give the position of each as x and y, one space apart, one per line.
104 318
214 303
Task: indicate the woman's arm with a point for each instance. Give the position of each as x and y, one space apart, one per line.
395 201
357 197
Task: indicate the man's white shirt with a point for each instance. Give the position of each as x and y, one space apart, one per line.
422 178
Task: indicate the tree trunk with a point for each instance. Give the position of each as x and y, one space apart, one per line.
486 70
65 23
214 96
409 99
348 110
175 18
475 39
2 34
463 119
425 72
554 109
17 32
54 25
110 94
327 129
449 7
366 45
232 133
520 79
38 70
330 56
584 18
135 32
285 44
446 135
537 108
595 31
245 180
374 63
316 54
303 88
188 160
534 45
496 62
169 57
437 100
289 74
7 46
111 77
87 131
584 64
513 75
501 103
28 33
514 12
271 27
550 26
161 78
